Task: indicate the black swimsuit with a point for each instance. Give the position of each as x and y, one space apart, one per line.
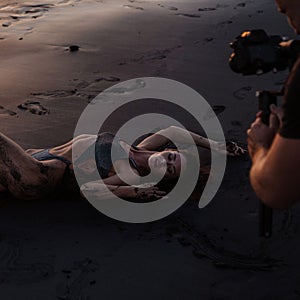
105 142
46 155
103 161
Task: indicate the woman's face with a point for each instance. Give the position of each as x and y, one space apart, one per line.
167 163
291 8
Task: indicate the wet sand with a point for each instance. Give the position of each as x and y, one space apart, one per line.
62 248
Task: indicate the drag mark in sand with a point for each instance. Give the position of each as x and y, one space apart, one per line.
202 246
78 279
12 271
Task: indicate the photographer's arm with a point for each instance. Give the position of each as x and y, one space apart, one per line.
275 174
275 150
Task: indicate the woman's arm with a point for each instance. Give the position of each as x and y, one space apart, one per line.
121 189
179 135
100 190
182 136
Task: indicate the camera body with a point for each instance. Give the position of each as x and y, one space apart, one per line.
255 52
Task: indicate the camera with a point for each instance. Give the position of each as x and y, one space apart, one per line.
256 52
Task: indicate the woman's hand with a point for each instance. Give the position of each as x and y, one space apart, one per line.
230 149
261 136
149 193
277 111
233 149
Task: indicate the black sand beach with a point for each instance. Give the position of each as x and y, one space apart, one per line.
55 58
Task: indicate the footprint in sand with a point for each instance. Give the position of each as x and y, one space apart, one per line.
236 123
7 112
188 15
55 93
134 7
81 85
205 41
169 7
34 107
214 110
136 1
242 93
242 4
109 78
207 9
6 24
138 84
222 6
226 23
88 96
155 54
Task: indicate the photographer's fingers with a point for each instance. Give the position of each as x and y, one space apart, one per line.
256 124
277 111
274 122
259 114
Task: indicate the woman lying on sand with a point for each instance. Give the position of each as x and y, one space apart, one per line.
36 173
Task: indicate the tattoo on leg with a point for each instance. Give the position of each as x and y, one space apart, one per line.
43 169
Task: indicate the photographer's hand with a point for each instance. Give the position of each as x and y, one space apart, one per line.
276 110
261 136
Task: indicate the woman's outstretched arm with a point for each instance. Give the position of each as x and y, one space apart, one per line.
181 135
100 191
176 134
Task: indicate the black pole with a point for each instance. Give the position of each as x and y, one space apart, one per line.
266 98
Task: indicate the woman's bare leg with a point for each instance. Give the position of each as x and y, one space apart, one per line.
21 174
